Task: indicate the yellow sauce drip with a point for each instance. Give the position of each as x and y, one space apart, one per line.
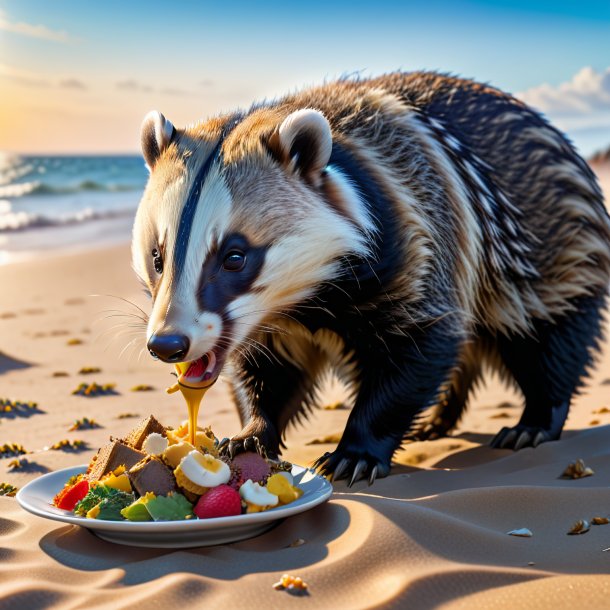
193 398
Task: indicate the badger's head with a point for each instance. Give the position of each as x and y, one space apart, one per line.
241 221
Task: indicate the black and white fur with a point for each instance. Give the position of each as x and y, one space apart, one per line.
404 230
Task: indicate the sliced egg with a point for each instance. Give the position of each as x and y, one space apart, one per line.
205 470
253 493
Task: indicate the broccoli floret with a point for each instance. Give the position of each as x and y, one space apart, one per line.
110 508
94 496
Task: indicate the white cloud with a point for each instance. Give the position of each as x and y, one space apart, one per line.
580 107
176 92
588 92
37 79
25 77
133 85
33 31
72 83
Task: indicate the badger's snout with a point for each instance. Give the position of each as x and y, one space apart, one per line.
169 348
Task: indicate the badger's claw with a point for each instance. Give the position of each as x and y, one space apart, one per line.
359 469
222 445
234 446
520 436
351 465
340 469
251 443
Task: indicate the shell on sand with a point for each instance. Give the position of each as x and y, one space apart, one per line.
577 470
521 532
580 527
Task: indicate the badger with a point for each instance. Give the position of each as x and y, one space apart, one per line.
406 231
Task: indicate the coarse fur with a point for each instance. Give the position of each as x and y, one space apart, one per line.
405 230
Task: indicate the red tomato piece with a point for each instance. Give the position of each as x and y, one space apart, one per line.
70 496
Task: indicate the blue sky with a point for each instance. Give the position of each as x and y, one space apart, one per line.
80 75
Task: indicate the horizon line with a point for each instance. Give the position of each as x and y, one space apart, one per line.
74 153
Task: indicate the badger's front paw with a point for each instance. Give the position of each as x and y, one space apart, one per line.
236 445
258 436
353 463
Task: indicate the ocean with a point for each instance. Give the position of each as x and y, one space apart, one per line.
66 203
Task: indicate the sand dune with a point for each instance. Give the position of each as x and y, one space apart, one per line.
431 535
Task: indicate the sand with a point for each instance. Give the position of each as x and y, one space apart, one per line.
431 535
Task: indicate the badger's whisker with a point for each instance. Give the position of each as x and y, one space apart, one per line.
122 314
264 328
123 330
114 296
127 346
265 312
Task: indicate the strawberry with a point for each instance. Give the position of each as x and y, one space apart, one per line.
220 501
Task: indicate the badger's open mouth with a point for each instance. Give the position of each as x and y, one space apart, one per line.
202 372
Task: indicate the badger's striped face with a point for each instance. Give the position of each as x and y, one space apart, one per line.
236 227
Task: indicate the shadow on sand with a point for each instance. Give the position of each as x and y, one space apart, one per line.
77 548
11 364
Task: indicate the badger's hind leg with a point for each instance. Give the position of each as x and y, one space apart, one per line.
549 368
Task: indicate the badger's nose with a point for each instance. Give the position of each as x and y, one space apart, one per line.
169 348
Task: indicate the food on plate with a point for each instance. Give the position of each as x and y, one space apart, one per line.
139 434
282 485
221 501
256 497
174 453
151 474
197 472
251 465
155 444
70 495
155 474
111 456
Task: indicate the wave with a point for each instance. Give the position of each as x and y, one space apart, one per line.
42 188
10 174
22 221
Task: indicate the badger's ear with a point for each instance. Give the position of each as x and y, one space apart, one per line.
156 134
303 142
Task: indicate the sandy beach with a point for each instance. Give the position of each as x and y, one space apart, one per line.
393 138
431 535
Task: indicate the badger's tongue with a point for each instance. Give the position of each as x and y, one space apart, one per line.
201 372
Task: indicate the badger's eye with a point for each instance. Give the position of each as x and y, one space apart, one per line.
235 260
157 261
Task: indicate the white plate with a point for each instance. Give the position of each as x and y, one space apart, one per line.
37 497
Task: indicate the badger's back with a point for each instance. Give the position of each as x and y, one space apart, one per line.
499 213
561 205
